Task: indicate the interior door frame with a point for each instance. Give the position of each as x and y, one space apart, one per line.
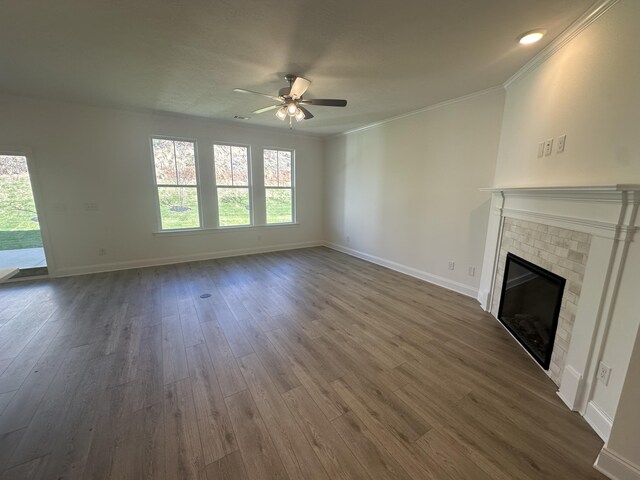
38 200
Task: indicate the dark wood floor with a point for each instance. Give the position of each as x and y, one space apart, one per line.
306 364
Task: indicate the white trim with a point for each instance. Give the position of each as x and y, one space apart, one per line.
467 290
435 106
567 191
179 232
7 273
571 386
590 16
587 225
153 262
599 420
615 466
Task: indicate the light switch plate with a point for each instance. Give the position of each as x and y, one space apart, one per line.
561 141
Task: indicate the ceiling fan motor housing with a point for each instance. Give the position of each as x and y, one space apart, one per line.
284 91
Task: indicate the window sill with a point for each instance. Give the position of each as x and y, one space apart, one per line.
214 230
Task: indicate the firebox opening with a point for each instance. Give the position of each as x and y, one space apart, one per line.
530 305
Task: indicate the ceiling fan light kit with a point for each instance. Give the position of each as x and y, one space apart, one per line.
291 100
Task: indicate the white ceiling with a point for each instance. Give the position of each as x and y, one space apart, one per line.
185 56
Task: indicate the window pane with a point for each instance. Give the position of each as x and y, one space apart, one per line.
186 163
222 160
279 205
271 168
240 166
284 169
164 159
233 206
179 207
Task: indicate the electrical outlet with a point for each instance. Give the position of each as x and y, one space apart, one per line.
604 372
471 271
548 147
452 265
561 141
541 150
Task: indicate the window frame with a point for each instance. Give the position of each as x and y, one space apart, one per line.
293 189
249 187
157 186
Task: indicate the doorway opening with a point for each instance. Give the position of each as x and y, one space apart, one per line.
20 237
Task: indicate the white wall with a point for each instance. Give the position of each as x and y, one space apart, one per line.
624 442
98 155
589 91
406 191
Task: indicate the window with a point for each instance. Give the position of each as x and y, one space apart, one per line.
231 163
177 183
278 185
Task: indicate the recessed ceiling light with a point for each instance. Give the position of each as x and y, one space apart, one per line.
533 36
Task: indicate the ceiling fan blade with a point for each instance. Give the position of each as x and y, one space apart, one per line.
242 90
299 86
325 102
266 109
307 113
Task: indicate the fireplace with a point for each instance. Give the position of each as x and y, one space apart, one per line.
583 234
530 306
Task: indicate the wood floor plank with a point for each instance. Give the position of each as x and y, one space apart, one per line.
335 456
308 373
75 433
385 433
260 457
438 449
31 469
174 358
233 332
8 443
376 460
216 431
229 467
227 371
17 371
140 452
27 400
183 450
295 451
18 332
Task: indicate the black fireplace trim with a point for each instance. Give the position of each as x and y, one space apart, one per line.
544 362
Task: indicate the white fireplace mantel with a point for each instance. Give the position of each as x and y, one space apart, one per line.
609 214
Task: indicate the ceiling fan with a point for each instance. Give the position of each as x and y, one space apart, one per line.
291 104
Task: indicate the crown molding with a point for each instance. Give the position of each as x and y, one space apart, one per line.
590 16
435 106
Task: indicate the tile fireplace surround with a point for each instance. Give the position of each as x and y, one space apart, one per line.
583 234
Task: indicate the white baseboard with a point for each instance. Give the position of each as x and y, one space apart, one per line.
570 387
599 420
152 262
483 298
414 272
616 467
